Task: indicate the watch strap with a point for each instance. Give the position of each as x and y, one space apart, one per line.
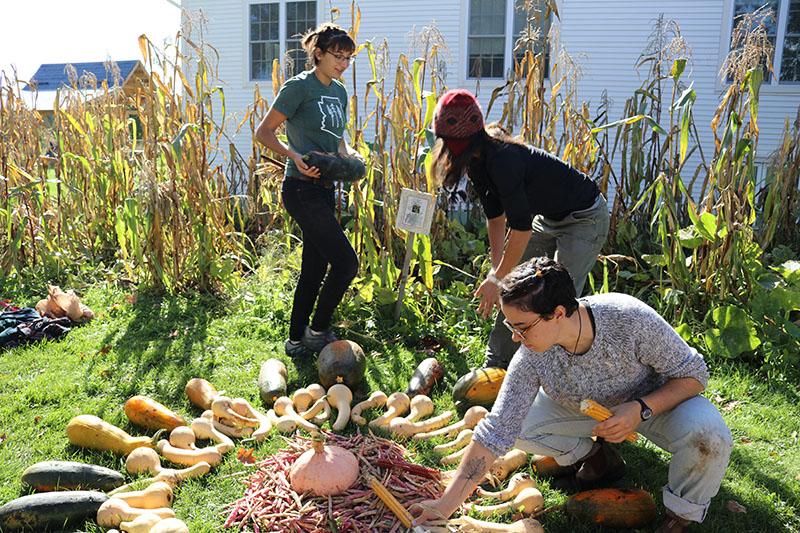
643 407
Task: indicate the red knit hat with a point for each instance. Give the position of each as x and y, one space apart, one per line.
457 118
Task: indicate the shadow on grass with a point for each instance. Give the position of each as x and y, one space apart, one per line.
167 336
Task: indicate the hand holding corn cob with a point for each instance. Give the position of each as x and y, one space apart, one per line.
598 412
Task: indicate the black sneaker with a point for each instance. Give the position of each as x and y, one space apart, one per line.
315 341
296 349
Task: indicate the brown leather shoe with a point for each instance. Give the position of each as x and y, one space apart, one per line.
673 524
600 468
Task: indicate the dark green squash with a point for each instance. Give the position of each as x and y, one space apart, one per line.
336 167
425 376
272 381
48 511
48 476
341 362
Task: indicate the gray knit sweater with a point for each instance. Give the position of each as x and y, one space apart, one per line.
634 352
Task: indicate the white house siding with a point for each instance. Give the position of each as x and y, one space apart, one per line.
606 37
609 39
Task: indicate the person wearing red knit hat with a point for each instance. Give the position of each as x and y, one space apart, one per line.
550 208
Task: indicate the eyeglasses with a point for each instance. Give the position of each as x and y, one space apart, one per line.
521 332
341 58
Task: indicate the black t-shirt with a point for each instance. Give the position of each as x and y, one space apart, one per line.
523 181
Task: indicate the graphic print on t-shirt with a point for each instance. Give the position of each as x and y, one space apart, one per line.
332 115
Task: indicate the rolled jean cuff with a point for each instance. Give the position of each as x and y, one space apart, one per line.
684 508
578 452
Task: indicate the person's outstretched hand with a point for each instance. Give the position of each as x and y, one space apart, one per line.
489 295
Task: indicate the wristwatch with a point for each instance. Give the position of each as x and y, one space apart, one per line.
646 412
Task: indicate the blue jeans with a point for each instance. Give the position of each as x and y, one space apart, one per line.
325 245
693 432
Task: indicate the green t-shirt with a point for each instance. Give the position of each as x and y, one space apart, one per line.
316 115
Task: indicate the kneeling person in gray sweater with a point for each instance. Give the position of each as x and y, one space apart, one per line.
616 350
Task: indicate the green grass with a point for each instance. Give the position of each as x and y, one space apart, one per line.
154 345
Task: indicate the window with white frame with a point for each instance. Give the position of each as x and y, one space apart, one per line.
275 31
494 30
300 17
783 32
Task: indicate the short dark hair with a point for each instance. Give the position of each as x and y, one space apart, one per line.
327 36
539 286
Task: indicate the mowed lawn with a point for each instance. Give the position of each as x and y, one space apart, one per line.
147 344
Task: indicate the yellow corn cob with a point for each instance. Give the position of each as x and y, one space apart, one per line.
598 412
391 502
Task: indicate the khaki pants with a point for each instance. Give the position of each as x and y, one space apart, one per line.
693 432
574 242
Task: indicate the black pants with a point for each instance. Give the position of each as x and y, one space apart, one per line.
312 206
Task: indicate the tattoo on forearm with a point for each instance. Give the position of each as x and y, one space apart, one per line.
474 469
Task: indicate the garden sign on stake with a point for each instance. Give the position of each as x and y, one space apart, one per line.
414 216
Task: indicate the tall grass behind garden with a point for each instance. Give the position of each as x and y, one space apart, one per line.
131 189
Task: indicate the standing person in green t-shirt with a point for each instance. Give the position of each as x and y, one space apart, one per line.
313 105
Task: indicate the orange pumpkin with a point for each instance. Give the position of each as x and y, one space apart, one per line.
611 507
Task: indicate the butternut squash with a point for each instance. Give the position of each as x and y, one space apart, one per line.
461 441
472 416
146 460
313 413
396 405
182 437
158 494
204 429
408 429
201 392
527 502
317 393
150 414
340 396
142 524
285 409
115 511
222 407
519 481
302 400
472 525
89 431
421 406
210 454
376 400
170 525
243 407
512 460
